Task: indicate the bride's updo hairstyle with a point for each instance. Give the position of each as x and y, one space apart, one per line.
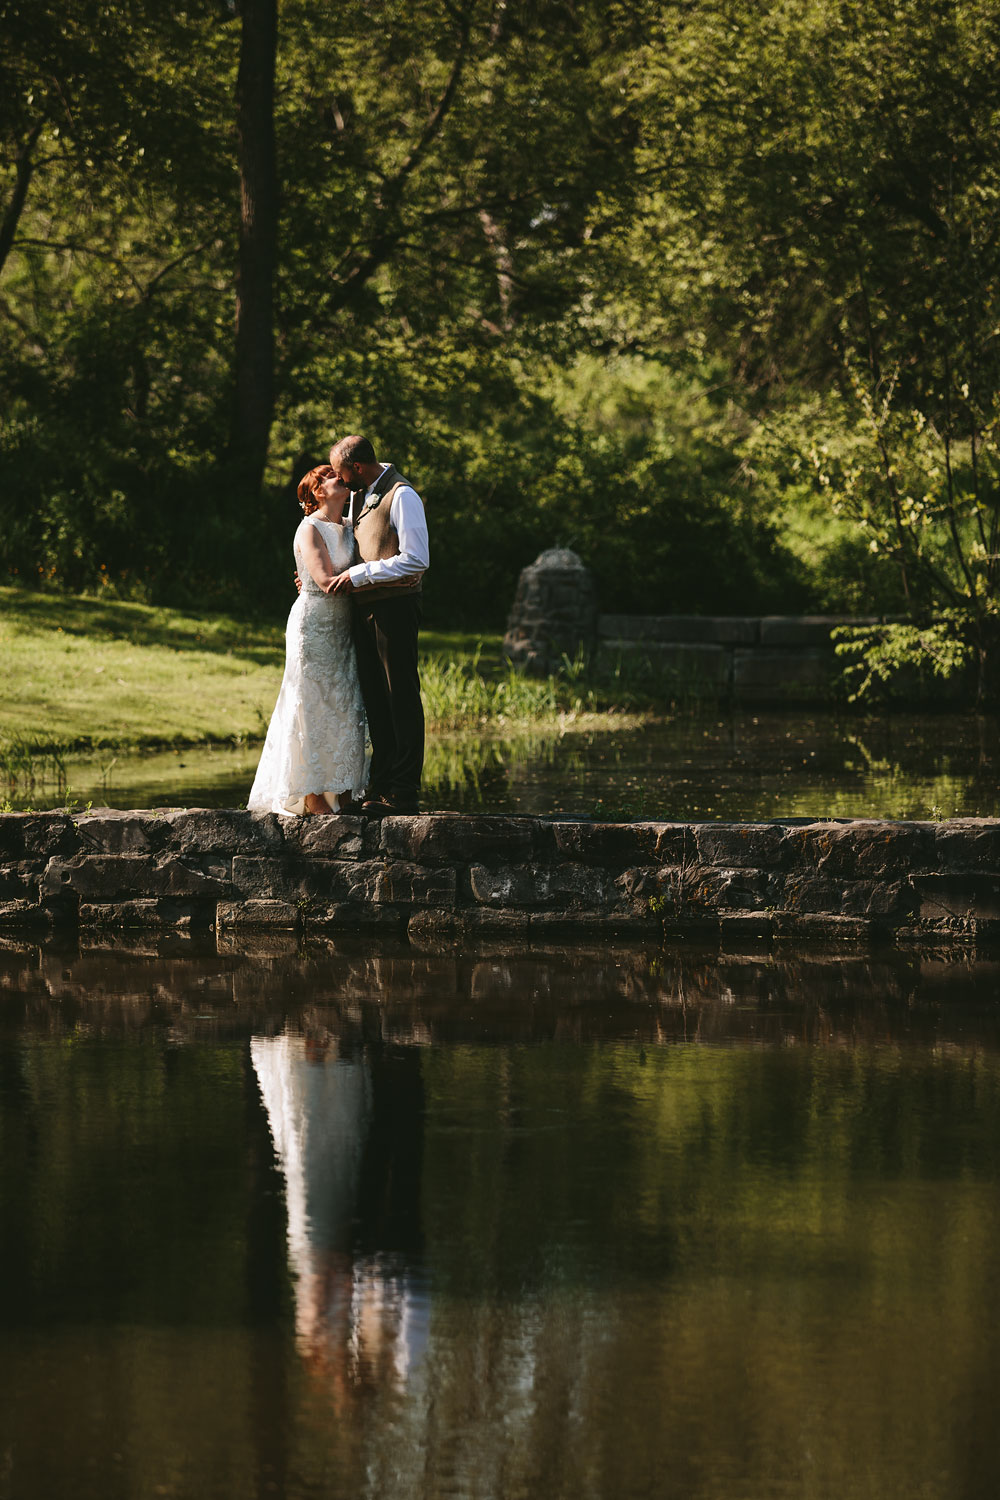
310 488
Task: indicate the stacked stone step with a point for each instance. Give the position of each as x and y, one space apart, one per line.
452 877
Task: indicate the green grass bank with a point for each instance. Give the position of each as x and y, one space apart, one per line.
79 674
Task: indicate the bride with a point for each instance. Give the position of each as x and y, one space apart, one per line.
313 759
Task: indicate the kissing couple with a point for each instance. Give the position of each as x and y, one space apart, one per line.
350 646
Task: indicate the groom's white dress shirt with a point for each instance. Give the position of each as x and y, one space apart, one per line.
406 515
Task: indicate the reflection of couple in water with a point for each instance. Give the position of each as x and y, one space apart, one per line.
350 646
345 1126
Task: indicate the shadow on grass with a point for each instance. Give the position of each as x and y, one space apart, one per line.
257 641
141 624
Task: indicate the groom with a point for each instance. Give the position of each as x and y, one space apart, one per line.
390 530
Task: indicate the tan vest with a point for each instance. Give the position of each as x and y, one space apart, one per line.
376 537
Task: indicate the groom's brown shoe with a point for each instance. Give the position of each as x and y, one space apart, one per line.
384 806
398 802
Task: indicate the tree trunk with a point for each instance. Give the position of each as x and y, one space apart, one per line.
23 168
254 400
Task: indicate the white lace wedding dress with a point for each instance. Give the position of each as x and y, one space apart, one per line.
316 737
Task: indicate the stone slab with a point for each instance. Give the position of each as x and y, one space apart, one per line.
489 922
607 844
356 917
968 844
221 830
144 913
753 845
17 914
676 843
432 926
775 674
344 836
825 927
742 927
887 900
296 877
402 882
442 838
547 925
862 849
122 877
263 914
107 830
804 630
33 835
506 886
719 630
19 880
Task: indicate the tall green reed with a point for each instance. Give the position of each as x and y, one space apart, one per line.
25 765
457 694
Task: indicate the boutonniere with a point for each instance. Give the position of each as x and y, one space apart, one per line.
372 503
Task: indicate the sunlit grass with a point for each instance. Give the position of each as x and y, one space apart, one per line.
83 673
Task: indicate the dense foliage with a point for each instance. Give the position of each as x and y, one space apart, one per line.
706 290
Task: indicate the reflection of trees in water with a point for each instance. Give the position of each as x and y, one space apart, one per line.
900 783
345 1122
693 764
482 768
677 1209
729 765
647 1256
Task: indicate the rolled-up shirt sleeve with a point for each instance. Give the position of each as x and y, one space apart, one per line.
410 524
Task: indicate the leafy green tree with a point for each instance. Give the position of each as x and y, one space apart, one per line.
827 178
112 368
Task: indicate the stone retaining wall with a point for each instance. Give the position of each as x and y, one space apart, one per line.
758 659
528 879
749 659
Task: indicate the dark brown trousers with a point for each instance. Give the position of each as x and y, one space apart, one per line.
385 638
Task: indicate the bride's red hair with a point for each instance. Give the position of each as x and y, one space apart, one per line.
308 491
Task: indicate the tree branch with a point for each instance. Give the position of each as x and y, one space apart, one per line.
76 248
388 199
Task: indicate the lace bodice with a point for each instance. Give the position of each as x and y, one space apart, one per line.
339 542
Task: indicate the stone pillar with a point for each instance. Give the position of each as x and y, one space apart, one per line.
554 613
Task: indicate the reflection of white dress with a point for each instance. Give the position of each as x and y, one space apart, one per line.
316 738
320 1111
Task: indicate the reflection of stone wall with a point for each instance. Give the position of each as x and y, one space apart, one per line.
454 877
420 994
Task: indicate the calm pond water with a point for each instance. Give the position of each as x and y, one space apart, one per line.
370 1222
693 767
